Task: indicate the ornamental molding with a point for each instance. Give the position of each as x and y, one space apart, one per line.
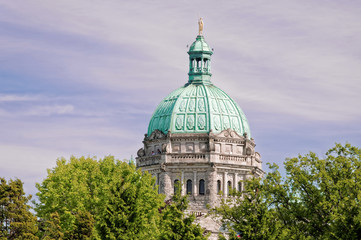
229 133
156 134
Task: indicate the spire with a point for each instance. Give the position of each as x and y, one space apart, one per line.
200 59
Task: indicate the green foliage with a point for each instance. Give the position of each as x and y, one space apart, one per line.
130 206
251 213
175 224
16 220
107 199
84 224
318 199
326 193
52 229
73 188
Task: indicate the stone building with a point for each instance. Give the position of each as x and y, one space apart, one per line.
200 137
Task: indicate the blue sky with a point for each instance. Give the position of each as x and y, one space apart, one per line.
83 77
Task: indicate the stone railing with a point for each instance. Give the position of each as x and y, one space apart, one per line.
223 157
190 156
149 160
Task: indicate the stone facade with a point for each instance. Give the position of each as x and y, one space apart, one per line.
205 163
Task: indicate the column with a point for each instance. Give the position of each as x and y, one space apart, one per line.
211 183
183 184
225 183
195 183
168 190
236 181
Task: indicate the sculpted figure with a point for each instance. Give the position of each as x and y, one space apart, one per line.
141 152
200 23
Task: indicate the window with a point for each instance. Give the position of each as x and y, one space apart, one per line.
229 186
201 187
219 184
176 186
189 187
239 186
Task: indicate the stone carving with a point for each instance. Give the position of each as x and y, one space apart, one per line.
165 148
245 135
179 122
141 152
229 133
249 151
214 105
157 134
201 105
211 145
201 122
163 167
191 105
190 122
182 106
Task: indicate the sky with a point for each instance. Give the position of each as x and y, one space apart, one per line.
83 77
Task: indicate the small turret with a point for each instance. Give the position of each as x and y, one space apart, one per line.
200 60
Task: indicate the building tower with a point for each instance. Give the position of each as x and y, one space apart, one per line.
199 136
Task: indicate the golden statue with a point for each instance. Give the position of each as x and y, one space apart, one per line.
200 23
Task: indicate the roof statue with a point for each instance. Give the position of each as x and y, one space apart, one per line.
200 23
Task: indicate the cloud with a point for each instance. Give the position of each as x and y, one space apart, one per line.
50 110
17 98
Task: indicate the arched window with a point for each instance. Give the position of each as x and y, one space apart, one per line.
189 187
229 186
201 187
239 186
219 184
176 186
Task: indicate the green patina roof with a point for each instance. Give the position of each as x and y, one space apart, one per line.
199 45
199 106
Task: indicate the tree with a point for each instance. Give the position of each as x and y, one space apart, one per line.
251 214
326 193
84 224
103 199
74 187
16 220
130 206
320 198
175 224
52 228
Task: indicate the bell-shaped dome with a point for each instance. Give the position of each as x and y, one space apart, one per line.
199 106
199 45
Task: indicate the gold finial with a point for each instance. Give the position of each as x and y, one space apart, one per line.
200 23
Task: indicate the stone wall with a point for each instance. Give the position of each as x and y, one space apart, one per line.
221 160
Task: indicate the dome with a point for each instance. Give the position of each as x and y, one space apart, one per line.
198 106
199 45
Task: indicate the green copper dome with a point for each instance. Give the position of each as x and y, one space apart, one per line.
200 45
199 106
